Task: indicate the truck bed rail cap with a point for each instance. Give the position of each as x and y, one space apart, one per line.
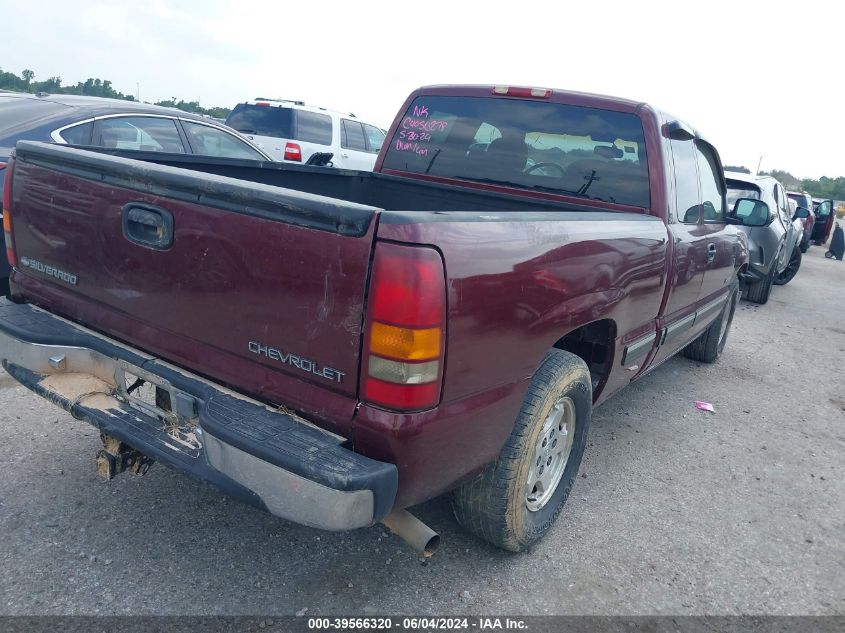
248 198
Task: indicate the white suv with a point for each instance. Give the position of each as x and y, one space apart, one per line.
291 131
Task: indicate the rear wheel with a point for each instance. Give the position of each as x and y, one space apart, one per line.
759 292
710 343
791 268
517 498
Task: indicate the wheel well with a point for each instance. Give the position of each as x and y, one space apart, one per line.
593 343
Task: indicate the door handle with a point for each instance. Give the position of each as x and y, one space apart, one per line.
148 226
711 252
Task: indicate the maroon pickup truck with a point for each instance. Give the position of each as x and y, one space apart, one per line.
336 346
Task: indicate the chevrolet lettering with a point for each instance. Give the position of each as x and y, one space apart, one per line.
293 360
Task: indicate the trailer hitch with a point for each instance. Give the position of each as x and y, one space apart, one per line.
115 457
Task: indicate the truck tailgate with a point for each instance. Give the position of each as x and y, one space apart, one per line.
257 287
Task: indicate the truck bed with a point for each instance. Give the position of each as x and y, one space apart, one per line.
382 191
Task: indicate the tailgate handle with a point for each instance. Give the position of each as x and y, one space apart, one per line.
148 226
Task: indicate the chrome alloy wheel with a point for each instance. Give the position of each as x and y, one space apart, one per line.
551 454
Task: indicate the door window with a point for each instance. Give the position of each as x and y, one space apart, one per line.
211 141
149 134
823 210
688 202
710 183
783 206
375 138
353 136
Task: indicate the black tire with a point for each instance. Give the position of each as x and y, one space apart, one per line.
759 292
791 269
495 505
710 343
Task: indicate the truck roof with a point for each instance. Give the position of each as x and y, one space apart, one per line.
569 97
751 178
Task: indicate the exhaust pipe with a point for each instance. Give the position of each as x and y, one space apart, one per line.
413 531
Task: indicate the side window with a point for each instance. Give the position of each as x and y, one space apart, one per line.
211 141
823 210
783 205
78 134
375 138
313 127
712 196
352 136
686 182
149 134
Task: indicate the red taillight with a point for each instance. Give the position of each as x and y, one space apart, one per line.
516 91
263 104
293 152
7 212
405 329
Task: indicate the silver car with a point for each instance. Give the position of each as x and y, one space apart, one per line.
760 205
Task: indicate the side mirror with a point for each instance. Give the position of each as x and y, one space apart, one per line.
801 213
752 212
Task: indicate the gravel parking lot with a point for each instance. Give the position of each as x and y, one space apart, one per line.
677 511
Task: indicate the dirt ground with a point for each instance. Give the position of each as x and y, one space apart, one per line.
677 510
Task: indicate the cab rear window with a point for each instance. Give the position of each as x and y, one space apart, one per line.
571 150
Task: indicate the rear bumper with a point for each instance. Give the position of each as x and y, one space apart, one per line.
268 458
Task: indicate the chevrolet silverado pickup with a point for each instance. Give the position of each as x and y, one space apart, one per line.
336 346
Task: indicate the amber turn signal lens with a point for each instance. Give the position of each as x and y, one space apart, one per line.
404 343
7 222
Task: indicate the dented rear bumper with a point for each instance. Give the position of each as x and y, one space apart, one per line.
269 458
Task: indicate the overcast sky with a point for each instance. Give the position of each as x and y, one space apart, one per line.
757 79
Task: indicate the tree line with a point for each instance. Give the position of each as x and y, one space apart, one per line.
823 187
93 88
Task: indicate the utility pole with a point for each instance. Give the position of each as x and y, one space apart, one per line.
760 162
137 91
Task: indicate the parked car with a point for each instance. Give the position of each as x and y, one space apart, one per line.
116 123
803 200
292 131
773 231
447 325
112 123
824 220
